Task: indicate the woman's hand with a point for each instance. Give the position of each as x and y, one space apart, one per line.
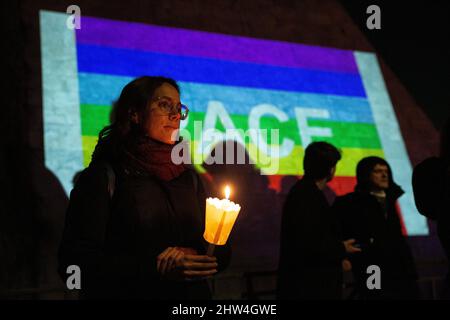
178 263
346 265
350 246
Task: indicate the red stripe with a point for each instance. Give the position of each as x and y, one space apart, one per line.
340 185
400 216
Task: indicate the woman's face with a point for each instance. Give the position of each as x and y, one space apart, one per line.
160 125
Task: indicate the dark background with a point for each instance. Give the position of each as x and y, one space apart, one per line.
413 41
411 48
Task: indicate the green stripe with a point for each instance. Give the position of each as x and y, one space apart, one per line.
345 134
93 118
349 135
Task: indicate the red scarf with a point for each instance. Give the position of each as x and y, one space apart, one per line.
152 157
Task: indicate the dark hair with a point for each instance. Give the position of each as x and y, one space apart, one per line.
364 169
135 97
319 158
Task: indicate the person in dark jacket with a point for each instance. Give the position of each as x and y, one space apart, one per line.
142 236
370 216
431 187
312 250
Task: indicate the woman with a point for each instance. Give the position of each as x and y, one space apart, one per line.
142 235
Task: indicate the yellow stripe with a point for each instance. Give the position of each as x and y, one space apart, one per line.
290 165
88 144
293 164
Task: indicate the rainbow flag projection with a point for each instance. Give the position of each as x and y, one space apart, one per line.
308 93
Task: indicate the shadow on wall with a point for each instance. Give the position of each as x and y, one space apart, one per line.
255 236
31 232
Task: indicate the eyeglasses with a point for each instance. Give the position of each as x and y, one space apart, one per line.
167 106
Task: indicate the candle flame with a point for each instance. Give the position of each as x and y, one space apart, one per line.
227 192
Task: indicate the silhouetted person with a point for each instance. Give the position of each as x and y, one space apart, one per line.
312 251
369 215
255 235
431 186
287 182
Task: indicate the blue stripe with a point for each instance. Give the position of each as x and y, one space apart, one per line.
100 89
105 89
134 63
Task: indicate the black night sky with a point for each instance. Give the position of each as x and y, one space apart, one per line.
413 41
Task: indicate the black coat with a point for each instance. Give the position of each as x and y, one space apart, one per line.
311 252
431 186
116 241
362 218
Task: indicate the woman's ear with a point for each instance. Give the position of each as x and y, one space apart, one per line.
332 173
134 117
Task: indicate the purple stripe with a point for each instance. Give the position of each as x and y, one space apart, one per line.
168 40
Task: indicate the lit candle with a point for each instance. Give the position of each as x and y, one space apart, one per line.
220 217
